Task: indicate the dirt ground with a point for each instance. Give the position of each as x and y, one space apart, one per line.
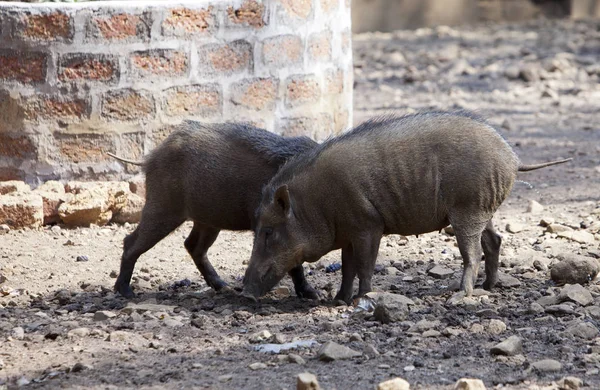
61 326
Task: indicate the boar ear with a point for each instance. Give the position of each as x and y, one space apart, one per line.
282 198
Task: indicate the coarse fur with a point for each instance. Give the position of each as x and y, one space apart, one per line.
211 174
390 175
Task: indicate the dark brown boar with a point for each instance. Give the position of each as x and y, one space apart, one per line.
409 175
211 174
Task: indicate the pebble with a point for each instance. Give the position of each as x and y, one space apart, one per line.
557 228
440 272
509 347
469 384
570 383
514 227
355 337
82 258
580 236
307 381
225 378
172 323
332 351
584 330
394 384
534 207
293 358
78 367
259 337
17 333
576 293
78 332
257 366
547 365
573 269
371 351
103 315
546 221
282 292
507 125
4 229
507 281
23 381
496 327
119 335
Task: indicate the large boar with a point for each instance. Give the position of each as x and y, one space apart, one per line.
211 174
408 175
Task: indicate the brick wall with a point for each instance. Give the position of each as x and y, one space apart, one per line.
78 80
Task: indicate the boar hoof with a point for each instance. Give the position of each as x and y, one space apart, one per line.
309 292
488 285
224 289
124 289
249 296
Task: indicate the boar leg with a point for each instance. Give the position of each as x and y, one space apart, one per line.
469 244
491 241
348 274
200 239
301 285
153 227
365 254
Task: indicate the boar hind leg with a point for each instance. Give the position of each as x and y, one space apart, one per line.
491 241
469 244
301 285
153 227
365 255
200 239
348 274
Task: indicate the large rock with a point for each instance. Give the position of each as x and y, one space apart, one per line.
394 384
11 186
332 351
574 269
390 307
509 347
93 202
576 293
584 330
21 209
132 211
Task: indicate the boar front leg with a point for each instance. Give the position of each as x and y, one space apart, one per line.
348 274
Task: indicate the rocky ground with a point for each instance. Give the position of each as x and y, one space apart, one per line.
61 325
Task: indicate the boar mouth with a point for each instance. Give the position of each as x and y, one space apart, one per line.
255 286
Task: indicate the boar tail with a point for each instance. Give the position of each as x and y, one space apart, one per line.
125 160
525 168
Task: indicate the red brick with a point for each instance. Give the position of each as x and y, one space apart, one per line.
329 6
193 100
53 26
299 9
78 148
90 67
318 127
160 63
283 50
233 57
127 104
302 89
250 13
28 67
185 21
17 146
43 107
319 46
334 81
257 94
121 26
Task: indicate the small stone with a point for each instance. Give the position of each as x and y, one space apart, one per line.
423 325
82 258
507 281
469 384
509 347
4 228
440 272
390 307
534 207
558 228
113 274
119 335
576 293
514 227
293 358
257 366
262 336
371 351
477 328
103 315
573 269
582 237
282 292
584 330
570 383
394 384
78 367
78 332
23 382
431 333
547 365
307 381
332 351
496 327
355 337
225 378
507 125
528 74
172 323
17 333
546 221
536 308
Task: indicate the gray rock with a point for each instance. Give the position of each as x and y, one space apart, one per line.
23 382
593 312
332 351
529 74
534 207
496 327
576 293
546 221
570 383
17 333
584 330
548 300
562 309
225 378
536 308
262 336
423 325
103 315
257 366
557 228
573 269
514 227
78 332
371 351
172 323
440 272
293 358
509 347
78 367
307 381
391 307
547 365
507 281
